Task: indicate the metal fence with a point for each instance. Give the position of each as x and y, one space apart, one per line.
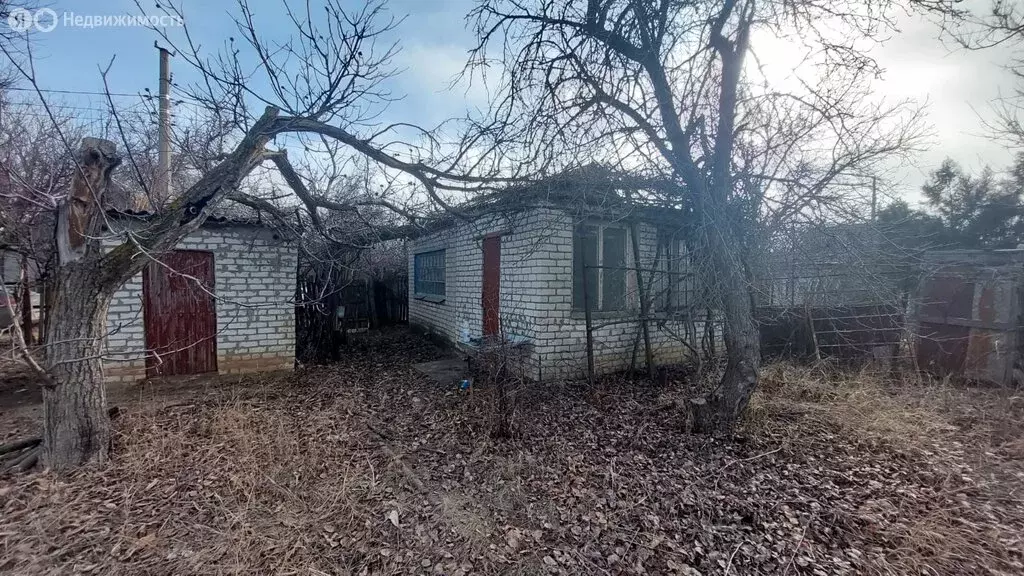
831 292
968 315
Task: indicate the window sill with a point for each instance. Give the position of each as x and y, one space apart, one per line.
609 315
432 298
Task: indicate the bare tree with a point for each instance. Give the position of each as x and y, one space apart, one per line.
324 83
35 172
673 90
1001 25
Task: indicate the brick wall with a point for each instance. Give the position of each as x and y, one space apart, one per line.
254 272
536 294
525 251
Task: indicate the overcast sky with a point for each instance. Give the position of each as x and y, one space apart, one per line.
958 86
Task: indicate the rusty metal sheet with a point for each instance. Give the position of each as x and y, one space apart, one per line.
942 348
947 297
967 324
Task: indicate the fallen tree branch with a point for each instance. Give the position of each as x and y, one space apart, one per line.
718 475
22 455
380 432
23 461
20 445
732 557
406 470
799 543
30 459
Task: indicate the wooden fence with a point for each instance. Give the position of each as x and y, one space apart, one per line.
330 305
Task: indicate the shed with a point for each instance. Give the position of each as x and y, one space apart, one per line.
524 265
968 315
221 302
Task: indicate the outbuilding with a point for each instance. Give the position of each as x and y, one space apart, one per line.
221 302
533 266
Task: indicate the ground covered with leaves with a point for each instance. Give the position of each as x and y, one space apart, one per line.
368 468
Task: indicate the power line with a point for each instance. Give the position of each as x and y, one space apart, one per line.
181 98
79 92
40 106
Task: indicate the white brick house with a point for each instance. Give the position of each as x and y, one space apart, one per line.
539 254
248 307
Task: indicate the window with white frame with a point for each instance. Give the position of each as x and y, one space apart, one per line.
599 260
428 273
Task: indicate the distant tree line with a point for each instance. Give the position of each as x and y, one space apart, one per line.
962 210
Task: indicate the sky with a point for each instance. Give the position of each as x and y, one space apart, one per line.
958 86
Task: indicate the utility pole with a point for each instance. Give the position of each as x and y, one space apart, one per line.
162 187
874 196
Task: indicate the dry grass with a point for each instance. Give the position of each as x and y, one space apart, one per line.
833 473
223 488
904 412
969 440
860 403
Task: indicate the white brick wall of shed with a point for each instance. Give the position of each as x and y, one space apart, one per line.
254 276
536 295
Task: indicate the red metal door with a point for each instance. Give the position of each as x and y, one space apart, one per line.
491 285
179 314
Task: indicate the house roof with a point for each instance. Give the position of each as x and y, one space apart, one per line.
976 257
592 190
227 213
124 202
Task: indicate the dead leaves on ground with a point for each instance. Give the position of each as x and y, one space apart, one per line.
285 477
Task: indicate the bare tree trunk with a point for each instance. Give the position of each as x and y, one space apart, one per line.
741 336
724 235
742 344
76 428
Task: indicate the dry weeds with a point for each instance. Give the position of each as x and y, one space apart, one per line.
962 444
832 473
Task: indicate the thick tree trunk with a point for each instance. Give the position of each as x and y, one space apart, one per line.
742 348
76 427
742 340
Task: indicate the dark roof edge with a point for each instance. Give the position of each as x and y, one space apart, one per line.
214 220
647 214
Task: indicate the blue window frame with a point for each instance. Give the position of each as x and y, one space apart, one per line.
428 273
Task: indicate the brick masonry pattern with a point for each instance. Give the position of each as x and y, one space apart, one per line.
254 273
536 294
